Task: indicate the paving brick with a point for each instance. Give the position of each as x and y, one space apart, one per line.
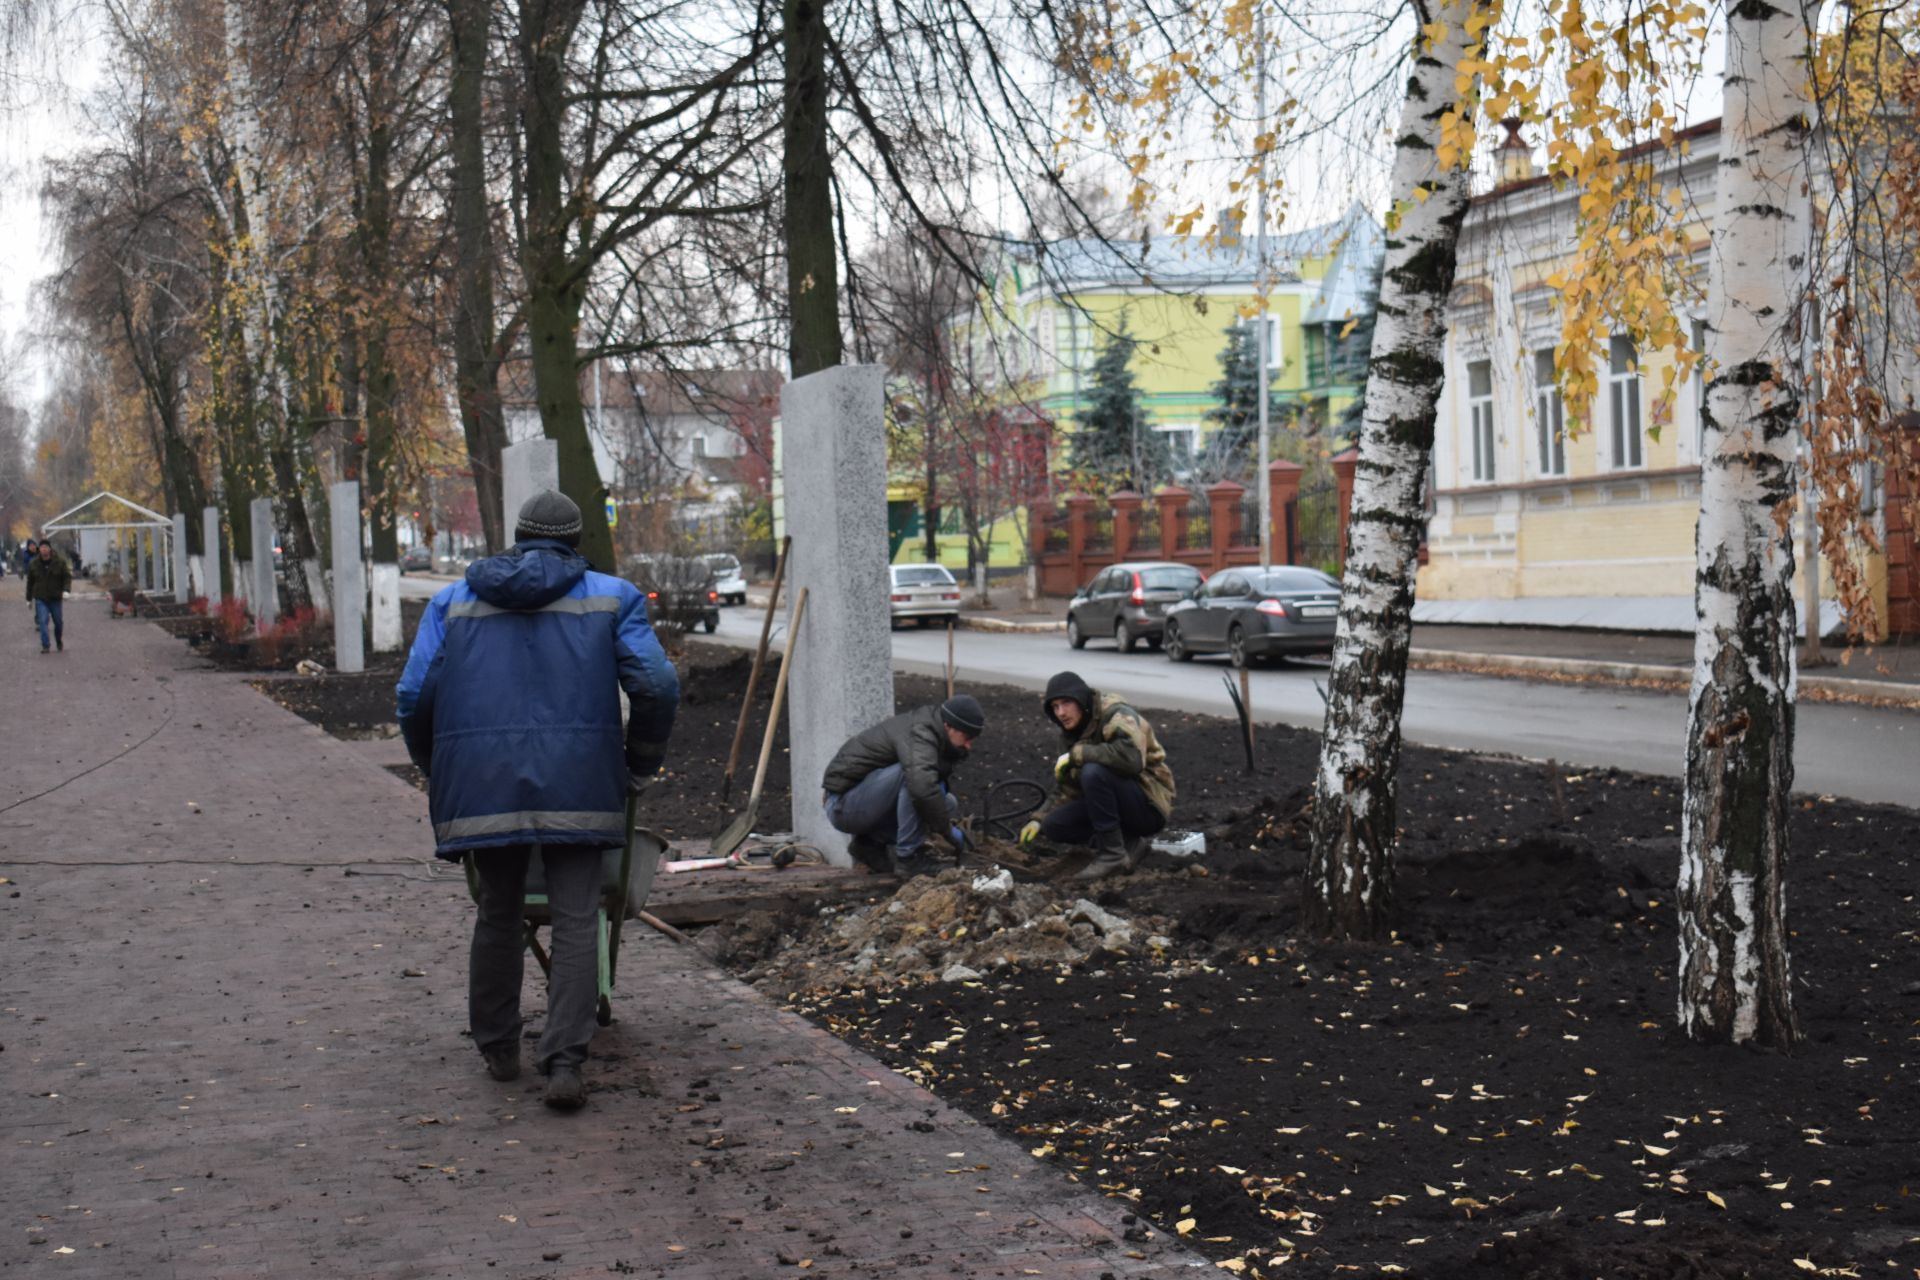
226 1070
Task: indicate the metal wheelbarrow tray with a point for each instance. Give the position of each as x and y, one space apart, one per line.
626 878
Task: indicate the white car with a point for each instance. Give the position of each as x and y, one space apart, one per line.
728 581
924 592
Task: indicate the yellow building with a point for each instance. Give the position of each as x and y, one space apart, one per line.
1030 353
1527 524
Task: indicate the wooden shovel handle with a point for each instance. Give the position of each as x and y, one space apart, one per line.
759 657
779 698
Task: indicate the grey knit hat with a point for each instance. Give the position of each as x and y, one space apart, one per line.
963 712
549 514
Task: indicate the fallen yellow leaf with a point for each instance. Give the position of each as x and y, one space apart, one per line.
1716 1201
1185 1226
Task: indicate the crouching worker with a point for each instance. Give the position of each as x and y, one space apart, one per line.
1113 786
887 786
510 703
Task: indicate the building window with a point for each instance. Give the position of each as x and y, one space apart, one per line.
1550 415
1183 443
1623 402
700 446
1276 346
1699 341
1480 416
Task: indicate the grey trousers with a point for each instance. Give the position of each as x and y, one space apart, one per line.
497 962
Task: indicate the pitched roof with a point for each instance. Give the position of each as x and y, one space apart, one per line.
1180 261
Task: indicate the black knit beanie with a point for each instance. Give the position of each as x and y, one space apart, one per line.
551 515
963 712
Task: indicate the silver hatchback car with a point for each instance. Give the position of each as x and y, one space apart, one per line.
925 593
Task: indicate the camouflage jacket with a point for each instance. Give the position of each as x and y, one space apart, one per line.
1119 738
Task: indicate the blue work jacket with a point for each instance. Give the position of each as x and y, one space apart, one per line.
510 702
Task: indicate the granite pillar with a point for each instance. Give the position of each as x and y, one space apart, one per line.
842 677
349 584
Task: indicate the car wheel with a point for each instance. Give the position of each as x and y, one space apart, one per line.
1173 646
1074 638
1237 647
1123 636
711 625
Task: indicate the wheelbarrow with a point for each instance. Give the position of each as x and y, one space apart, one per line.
626 878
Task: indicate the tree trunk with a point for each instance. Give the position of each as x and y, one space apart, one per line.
555 283
813 288
382 384
476 368
1349 880
1734 981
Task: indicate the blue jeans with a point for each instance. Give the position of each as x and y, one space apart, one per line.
1106 801
879 808
42 609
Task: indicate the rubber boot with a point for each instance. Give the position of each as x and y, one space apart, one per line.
1137 850
1109 857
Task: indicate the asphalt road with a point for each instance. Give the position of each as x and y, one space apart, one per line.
1859 752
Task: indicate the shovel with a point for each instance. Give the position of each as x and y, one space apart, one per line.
753 680
735 833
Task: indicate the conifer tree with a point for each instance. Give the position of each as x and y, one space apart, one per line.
1111 439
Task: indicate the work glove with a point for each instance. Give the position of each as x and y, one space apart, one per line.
957 837
1030 832
1063 766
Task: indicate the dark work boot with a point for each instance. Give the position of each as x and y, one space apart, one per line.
1109 857
565 1090
914 864
871 854
1137 849
503 1061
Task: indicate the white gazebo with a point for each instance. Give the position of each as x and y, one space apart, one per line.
150 562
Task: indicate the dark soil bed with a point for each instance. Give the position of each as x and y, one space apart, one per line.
1499 1092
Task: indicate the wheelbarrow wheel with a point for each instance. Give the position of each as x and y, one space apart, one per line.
603 1012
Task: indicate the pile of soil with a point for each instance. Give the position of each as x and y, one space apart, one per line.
1496 1091
957 926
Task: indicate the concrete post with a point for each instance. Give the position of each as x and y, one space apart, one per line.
842 678
182 576
527 468
262 595
349 584
212 553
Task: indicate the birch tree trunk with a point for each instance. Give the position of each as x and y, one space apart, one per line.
1734 978
1349 882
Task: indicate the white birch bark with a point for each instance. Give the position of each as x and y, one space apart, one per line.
1734 974
1349 882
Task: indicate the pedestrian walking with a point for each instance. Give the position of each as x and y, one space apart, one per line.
510 704
1113 787
887 785
49 580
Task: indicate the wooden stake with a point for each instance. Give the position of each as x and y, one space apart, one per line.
1246 700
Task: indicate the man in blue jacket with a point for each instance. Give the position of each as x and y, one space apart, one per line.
510 705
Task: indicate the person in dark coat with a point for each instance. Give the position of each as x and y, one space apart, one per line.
48 581
510 704
1112 784
887 786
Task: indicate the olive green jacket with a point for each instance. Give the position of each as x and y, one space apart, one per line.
1119 738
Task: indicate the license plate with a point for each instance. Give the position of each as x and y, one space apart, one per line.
1319 610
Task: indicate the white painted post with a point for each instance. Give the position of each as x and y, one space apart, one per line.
525 469
349 589
182 574
210 548
262 595
842 678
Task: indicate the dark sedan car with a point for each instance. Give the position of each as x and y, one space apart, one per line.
1253 613
680 591
1127 601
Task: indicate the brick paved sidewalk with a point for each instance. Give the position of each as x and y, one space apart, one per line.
213 1069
